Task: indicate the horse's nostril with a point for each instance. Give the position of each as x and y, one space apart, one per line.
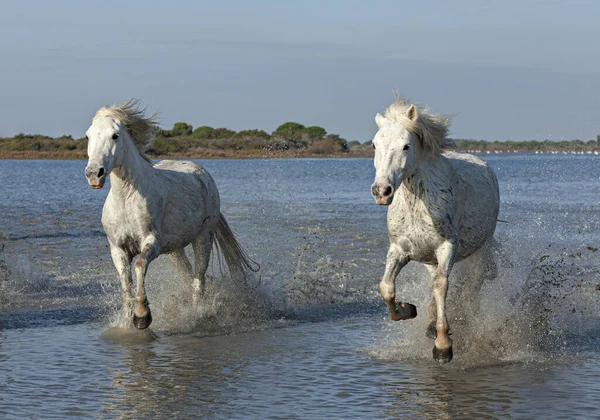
100 172
387 191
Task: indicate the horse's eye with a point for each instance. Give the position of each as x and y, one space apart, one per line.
406 147
373 144
86 137
115 136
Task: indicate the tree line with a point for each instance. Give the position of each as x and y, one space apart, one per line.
529 145
183 138
524 146
288 136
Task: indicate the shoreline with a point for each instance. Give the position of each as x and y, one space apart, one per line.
251 154
195 154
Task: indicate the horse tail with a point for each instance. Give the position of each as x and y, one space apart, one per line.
236 259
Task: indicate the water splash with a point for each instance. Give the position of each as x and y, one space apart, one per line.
227 304
531 312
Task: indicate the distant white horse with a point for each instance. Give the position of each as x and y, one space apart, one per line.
443 207
154 209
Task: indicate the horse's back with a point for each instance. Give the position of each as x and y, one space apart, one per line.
188 175
480 200
183 167
191 195
475 173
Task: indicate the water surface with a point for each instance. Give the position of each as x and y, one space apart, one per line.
320 344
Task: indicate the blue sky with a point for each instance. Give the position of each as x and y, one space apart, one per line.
502 69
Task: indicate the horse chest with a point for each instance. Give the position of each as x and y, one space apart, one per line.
126 225
416 235
418 229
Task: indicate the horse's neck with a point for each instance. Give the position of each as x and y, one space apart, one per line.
427 178
135 173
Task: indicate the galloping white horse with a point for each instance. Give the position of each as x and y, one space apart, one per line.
443 207
154 209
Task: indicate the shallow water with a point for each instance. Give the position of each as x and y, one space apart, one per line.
301 371
318 344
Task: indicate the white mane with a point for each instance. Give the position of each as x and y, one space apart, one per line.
141 129
431 129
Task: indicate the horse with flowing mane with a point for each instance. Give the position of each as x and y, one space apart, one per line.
153 209
443 207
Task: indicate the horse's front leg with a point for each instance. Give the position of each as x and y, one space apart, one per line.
442 350
142 317
431 309
396 259
122 261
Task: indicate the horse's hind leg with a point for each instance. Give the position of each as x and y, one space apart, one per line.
182 265
442 350
202 248
472 272
396 259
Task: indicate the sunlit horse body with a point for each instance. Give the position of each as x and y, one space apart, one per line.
154 209
443 207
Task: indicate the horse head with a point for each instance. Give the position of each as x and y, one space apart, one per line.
394 156
105 149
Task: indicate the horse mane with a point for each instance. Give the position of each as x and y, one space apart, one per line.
431 129
142 129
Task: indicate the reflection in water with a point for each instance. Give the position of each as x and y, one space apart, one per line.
310 370
185 377
445 394
128 336
506 391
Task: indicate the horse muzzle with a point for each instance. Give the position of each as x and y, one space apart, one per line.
96 177
383 194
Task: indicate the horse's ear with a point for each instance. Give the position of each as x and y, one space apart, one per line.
412 112
380 120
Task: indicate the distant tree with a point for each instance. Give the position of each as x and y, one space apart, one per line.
598 139
204 132
163 146
223 133
315 132
164 133
181 129
251 134
289 131
577 144
335 138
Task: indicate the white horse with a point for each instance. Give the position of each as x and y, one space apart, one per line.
154 209
443 207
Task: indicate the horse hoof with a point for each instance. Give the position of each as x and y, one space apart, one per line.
431 331
405 310
442 355
142 322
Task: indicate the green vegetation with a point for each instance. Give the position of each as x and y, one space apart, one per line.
182 138
37 142
181 129
294 137
528 146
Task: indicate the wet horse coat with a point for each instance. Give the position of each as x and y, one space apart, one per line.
443 207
